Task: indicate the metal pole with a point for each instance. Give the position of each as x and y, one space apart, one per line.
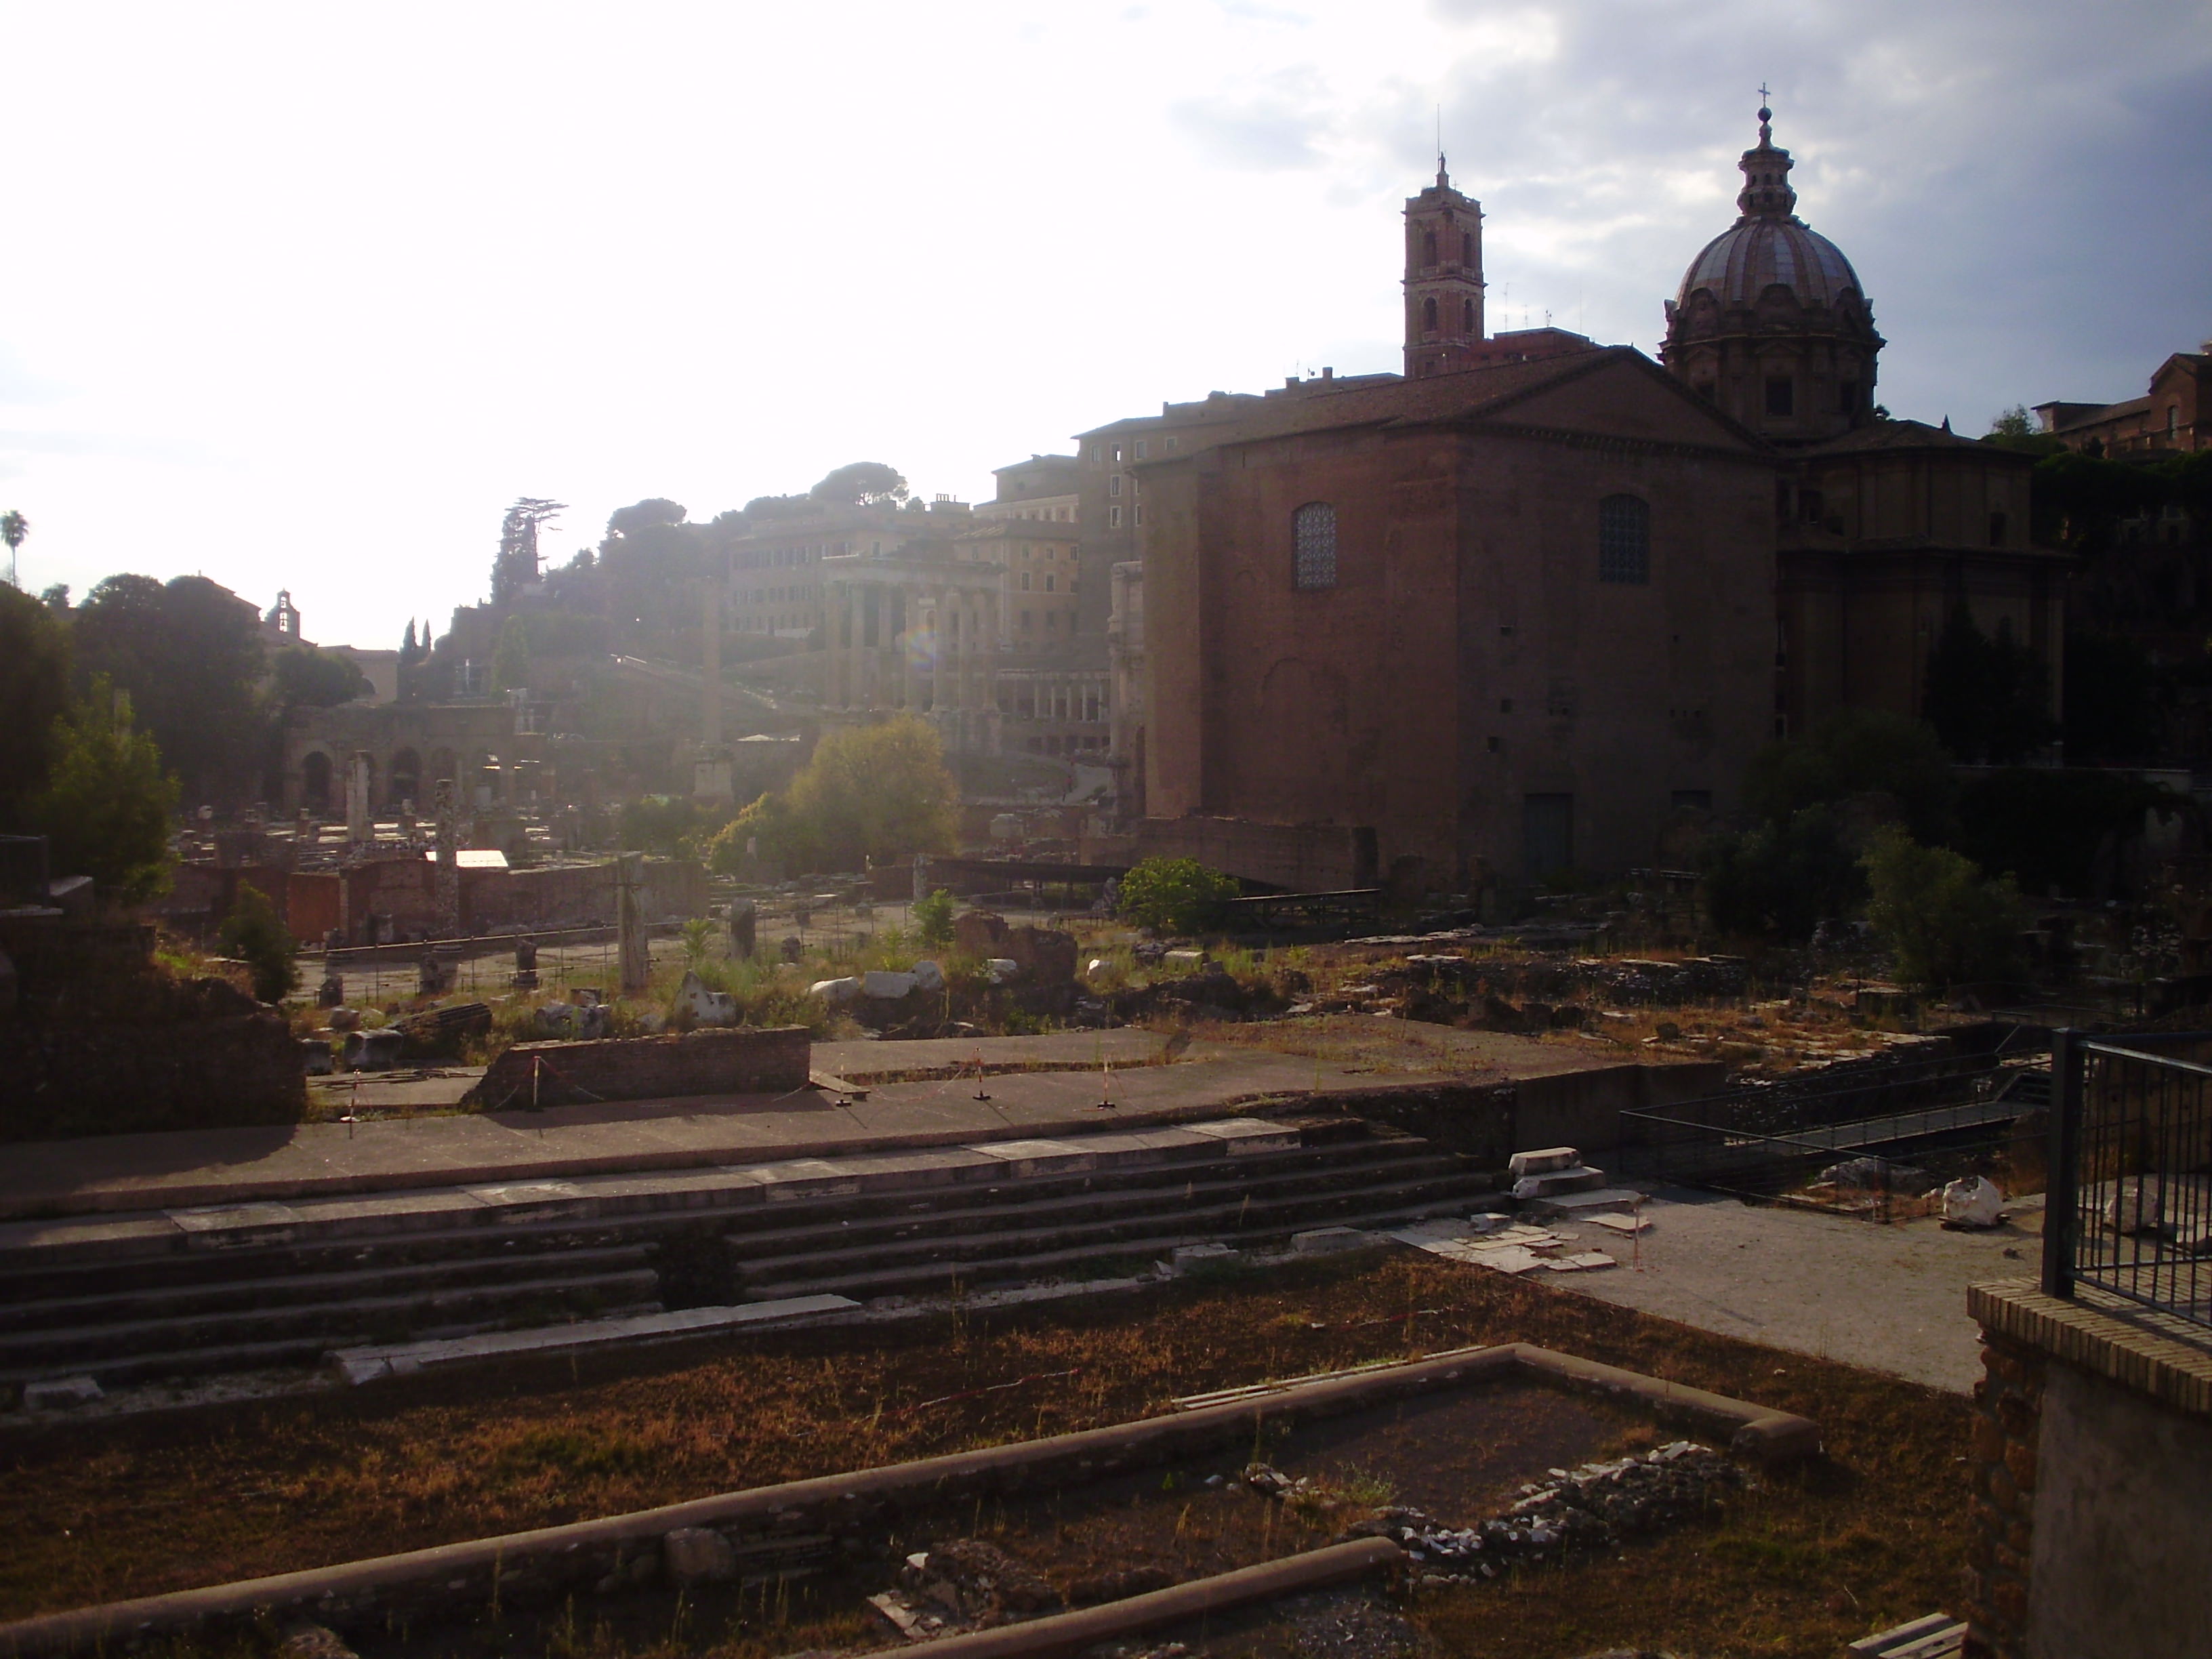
2062 1203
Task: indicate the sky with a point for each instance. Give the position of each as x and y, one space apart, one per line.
303 295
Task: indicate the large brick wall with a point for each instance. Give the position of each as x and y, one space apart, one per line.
2001 1471
741 1061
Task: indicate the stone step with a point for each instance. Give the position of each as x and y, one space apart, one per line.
284 1290
1360 1210
1100 1200
991 1243
285 1354
85 1347
198 1245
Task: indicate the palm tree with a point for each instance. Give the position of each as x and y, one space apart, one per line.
14 527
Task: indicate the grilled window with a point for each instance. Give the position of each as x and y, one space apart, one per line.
1313 544
1624 540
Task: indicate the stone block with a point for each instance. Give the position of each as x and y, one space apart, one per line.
1324 1240
1543 1161
59 1393
1580 1178
694 1555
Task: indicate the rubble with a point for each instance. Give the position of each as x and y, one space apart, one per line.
1593 1507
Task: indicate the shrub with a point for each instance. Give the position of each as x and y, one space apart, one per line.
933 916
1175 895
252 933
1784 878
1931 907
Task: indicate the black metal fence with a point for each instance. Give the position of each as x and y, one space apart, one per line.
1947 1113
2130 1183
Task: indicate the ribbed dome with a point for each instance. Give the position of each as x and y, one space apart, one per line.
1770 243
1751 256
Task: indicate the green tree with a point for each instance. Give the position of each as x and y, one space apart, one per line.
1988 699
933 916
2015 429
1859 751
189 654
34 690
510 658
254 933
860 483
876 792
14 529
106 801
516 565
1783 879
1175 895
1930 907
2111 698
2077 501
309 676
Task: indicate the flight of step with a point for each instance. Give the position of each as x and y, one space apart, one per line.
173 1294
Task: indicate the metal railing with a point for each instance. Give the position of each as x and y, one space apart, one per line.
2130 1182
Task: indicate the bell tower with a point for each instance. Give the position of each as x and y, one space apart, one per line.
1443 279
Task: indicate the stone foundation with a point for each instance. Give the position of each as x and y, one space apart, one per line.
739 1060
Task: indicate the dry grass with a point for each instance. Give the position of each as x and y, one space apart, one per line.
1867 1537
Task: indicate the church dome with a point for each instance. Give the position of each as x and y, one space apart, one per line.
1755 254
1769 245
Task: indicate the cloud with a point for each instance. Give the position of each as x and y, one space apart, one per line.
1281 125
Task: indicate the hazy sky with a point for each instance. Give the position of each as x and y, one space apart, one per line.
305 294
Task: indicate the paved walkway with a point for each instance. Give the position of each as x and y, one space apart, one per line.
1889 1298
155 1172
113 1173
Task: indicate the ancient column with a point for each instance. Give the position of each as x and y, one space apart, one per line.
632 953
447 881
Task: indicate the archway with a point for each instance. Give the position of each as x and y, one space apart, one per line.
315 781
406 771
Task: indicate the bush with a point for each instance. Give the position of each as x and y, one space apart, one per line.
1785 879
1175 895
252 933
933 916
1931 907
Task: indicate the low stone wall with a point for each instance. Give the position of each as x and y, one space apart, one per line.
804 1524
739 1060
2091 1456
228 1071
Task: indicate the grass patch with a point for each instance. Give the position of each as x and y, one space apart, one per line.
1866 1537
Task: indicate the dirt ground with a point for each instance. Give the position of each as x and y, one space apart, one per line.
1864 1538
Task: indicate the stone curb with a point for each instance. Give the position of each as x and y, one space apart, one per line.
579 1553
1071 1633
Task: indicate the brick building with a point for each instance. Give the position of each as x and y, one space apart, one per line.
1512 613
2173 417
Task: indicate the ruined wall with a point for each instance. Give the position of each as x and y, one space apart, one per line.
743 1061
101 1042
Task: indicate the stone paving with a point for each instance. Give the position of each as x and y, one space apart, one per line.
1887 1298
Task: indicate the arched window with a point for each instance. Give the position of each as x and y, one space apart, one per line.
1996 529
1466 248
1624 540
1466 316
1428 247
1312 546
1429 314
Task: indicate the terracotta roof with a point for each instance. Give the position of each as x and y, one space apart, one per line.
1470 394
1906 435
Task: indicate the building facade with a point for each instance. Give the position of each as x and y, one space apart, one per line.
2175 418
1515 611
